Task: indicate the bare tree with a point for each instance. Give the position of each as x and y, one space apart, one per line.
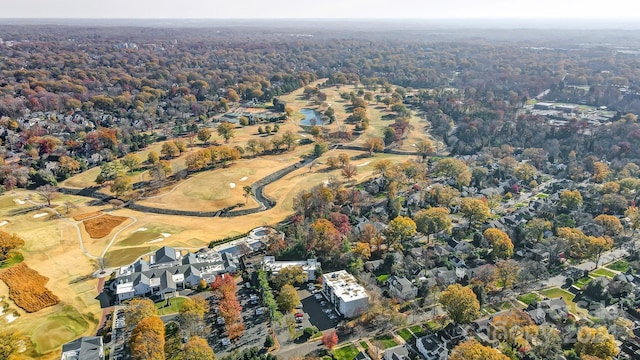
48 193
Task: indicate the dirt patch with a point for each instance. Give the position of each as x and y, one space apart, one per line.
85 216
101 226
26 288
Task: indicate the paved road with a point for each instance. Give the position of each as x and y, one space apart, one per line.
298 351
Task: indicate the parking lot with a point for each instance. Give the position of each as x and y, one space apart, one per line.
319 311
255 321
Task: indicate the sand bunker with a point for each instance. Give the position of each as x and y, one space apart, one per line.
19 202
232 185
364 164
164 236
142 229
3 223
244 178
39 215
11 318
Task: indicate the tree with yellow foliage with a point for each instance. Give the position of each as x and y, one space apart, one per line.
433 221
197 348
515 327
596 342
11 344
501 242
139 309
610 223
8 243
600 171
571 199
473 350
475 210
460 303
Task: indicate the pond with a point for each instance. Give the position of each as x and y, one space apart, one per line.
311 118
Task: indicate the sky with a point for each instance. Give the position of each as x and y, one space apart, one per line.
298 9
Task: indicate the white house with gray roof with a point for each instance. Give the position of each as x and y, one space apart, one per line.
167 272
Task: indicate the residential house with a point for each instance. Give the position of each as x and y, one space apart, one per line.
432 348
348 297
555 310
399 352
401 288
362 355
84 348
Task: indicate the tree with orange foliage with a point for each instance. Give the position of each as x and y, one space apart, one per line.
147 339
473 350
235 330
330 339
226 286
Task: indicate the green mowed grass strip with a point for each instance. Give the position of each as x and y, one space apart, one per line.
385 341
364 345
174 306
556 293
58 329
619 265
417 330
348 352
603 272
405 334
529 298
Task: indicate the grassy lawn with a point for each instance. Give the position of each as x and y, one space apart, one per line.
348 352
568 298
603 272
405 334
433 325
364 345
619 265
418 330
582 282
542 196
173 308
556 293
529 298
385 341
58 328
382 278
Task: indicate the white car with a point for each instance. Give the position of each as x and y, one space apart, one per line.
225 342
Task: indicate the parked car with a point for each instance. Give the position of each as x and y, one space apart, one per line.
225 342
299 306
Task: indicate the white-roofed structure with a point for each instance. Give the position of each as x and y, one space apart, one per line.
348 297
309 266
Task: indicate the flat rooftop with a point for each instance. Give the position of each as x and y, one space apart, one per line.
345 286
273 265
